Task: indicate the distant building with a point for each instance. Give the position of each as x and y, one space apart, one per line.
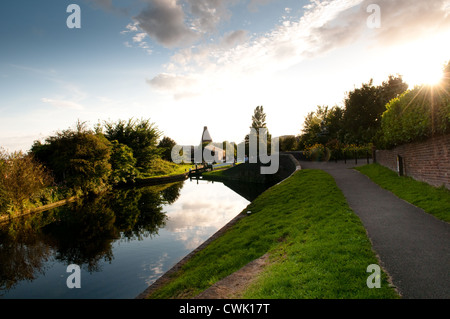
206 137
207 143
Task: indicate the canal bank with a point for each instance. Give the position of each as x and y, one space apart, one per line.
317 247
140 182
247 173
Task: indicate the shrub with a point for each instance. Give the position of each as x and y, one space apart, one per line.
416 115
317 152
22 180
122 164
139 135
78 158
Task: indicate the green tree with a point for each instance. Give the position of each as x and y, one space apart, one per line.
259 118
78 157
258 122
140 135
322 125
122 164
288 143
166 145
364 107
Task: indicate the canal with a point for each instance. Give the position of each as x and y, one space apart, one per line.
122 241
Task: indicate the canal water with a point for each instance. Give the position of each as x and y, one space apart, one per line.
122 241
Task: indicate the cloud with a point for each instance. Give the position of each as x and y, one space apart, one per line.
234 38
139 37
180 86
64 104
164 21
181 23
207 14
131 27
401 22
325 26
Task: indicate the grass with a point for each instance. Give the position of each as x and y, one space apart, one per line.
433 200
318 247
162 168
217 173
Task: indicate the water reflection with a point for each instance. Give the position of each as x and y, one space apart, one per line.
139 231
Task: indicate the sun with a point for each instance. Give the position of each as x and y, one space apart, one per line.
425 74
421 61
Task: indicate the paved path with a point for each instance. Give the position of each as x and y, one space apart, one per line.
413 246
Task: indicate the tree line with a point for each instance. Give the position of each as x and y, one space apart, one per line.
80 161
384 116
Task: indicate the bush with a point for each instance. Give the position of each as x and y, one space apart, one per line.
416 115
317 152
122 164
78 159
139 135
22 180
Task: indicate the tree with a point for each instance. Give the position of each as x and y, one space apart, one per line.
258 122
322 125
288 143
166 145
122 164
21 179
259 118
364 107
140 135
78 157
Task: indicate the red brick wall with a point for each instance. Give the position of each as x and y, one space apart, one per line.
427 161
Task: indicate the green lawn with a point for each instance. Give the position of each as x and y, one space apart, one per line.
318 247
433 200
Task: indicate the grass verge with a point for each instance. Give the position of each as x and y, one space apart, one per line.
433 200
162 168
318 247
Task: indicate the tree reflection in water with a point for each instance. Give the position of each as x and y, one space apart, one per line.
81 233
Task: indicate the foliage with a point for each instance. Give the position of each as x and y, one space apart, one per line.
122 164
321 125
259 118
22 179
358 122
364 107
78 158
334 150
258 122
139 135
166 145
288 143
317 152
416 115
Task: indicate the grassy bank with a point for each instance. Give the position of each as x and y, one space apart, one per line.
318 246
161 168
433 200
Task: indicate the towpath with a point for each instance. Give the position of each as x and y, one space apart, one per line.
413 246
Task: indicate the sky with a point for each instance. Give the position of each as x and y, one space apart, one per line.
186 64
